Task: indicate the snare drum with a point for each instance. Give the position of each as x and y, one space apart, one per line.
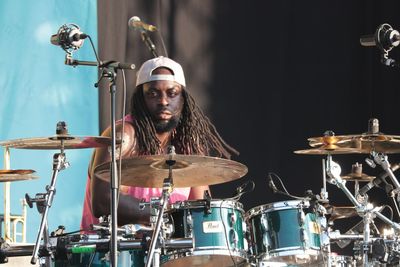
284 232
217 229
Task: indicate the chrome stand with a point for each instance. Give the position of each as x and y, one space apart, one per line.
154 252
364 210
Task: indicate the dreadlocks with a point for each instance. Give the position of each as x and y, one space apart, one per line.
195 134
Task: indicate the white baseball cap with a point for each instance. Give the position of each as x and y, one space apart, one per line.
145 73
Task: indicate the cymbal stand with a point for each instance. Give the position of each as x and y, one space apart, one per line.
153 259
365 210
382 160
45 200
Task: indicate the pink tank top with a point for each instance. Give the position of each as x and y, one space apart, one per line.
179 194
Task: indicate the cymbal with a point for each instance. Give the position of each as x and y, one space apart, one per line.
16 175
55 142
188 171
364 143
341 212
325 150
357 177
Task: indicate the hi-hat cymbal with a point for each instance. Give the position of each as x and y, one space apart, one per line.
188 171
55 142
16 175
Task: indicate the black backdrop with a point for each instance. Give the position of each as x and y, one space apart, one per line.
270 74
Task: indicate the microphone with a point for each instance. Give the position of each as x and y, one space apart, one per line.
136 23
68 36
378 180
385 38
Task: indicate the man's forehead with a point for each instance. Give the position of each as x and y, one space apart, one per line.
161 84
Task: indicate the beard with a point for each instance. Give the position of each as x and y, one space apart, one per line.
166 126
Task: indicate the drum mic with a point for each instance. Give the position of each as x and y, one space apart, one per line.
378 180
68 36
136 23
385 38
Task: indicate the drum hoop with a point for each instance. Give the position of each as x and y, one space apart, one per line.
276 206
214 203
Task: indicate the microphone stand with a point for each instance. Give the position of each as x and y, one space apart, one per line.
364 210
109 71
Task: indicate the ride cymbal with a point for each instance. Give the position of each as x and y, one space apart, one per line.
188 171
58 141
16 175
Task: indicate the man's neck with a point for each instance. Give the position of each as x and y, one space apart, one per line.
163 138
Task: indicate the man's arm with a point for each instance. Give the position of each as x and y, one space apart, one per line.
128 206
198 192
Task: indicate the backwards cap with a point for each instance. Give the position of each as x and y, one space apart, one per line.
145 73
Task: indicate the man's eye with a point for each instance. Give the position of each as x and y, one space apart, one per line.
152 93
172 93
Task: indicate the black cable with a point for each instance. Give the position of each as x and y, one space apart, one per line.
94 49
285 192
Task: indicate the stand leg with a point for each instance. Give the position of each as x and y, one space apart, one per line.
58 164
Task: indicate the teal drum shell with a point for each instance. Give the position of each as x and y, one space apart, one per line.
284 232
218 234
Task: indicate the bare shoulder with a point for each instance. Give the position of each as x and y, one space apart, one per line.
102 154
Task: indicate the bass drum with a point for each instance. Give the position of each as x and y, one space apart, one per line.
217 229
284 232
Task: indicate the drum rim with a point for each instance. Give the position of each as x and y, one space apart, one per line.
274 206
214 203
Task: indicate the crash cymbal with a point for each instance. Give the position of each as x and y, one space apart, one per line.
325 150
188 171
55 142
16 175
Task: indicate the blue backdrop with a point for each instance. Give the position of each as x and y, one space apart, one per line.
37 91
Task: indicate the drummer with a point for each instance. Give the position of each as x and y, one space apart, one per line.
162 113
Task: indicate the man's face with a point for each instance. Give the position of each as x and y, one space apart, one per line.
164 101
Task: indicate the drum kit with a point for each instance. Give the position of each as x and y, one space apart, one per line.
219 232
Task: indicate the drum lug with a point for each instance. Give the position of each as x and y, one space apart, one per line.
189 224
233 237
232 218
301 217
264 223
303 235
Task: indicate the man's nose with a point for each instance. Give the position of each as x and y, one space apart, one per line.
163 100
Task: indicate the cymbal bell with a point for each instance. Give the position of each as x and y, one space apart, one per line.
188 171
16 175
58 141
